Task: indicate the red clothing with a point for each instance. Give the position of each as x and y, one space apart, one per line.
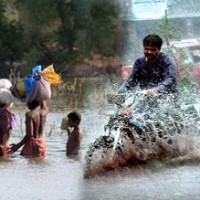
4 151
35 147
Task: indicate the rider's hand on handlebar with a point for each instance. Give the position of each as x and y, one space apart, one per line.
152 92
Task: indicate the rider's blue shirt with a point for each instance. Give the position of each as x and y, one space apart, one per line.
161 74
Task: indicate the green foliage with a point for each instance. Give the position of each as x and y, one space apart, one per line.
105 19
1 11
185 80
31 58
88 27
38 19
71 22
40 12
167 30
58 31
11 40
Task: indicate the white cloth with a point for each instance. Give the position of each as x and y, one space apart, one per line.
5 83
6 97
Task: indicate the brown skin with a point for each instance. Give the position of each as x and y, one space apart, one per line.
74 138
35 120
5 129
151 52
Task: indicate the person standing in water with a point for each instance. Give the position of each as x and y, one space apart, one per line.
75 135
154 72
33 143
7 118
35 88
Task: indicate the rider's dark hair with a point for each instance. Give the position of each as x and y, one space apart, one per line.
153 40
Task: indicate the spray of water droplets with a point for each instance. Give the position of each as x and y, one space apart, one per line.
166 126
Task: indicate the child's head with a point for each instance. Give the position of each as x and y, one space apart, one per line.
74 117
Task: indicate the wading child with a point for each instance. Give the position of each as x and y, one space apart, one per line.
75 135
35 118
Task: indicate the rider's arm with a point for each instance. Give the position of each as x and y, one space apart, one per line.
131 81
169 82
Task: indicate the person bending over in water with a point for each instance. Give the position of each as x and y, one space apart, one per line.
34 144
75 135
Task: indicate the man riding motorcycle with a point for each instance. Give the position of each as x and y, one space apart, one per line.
155 71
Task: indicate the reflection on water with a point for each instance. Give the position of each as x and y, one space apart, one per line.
60 178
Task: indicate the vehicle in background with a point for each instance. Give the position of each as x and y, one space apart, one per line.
125 71
186 54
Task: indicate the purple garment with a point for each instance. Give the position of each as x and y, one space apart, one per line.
161 75
12 121
7 121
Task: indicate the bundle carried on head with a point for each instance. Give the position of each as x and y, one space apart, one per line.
6 97
5 83
36 86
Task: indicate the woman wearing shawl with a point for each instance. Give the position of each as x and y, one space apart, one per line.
7 118
36 90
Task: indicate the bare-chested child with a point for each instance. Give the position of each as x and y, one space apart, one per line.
33 143
75 135
7 119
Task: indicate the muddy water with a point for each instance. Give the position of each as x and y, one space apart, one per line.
61 178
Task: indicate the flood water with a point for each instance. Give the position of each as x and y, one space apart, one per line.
61 178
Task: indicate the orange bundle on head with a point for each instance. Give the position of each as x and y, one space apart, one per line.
51 76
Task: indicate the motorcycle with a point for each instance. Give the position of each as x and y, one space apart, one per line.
142 128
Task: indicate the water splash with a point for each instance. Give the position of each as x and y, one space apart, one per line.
146 128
